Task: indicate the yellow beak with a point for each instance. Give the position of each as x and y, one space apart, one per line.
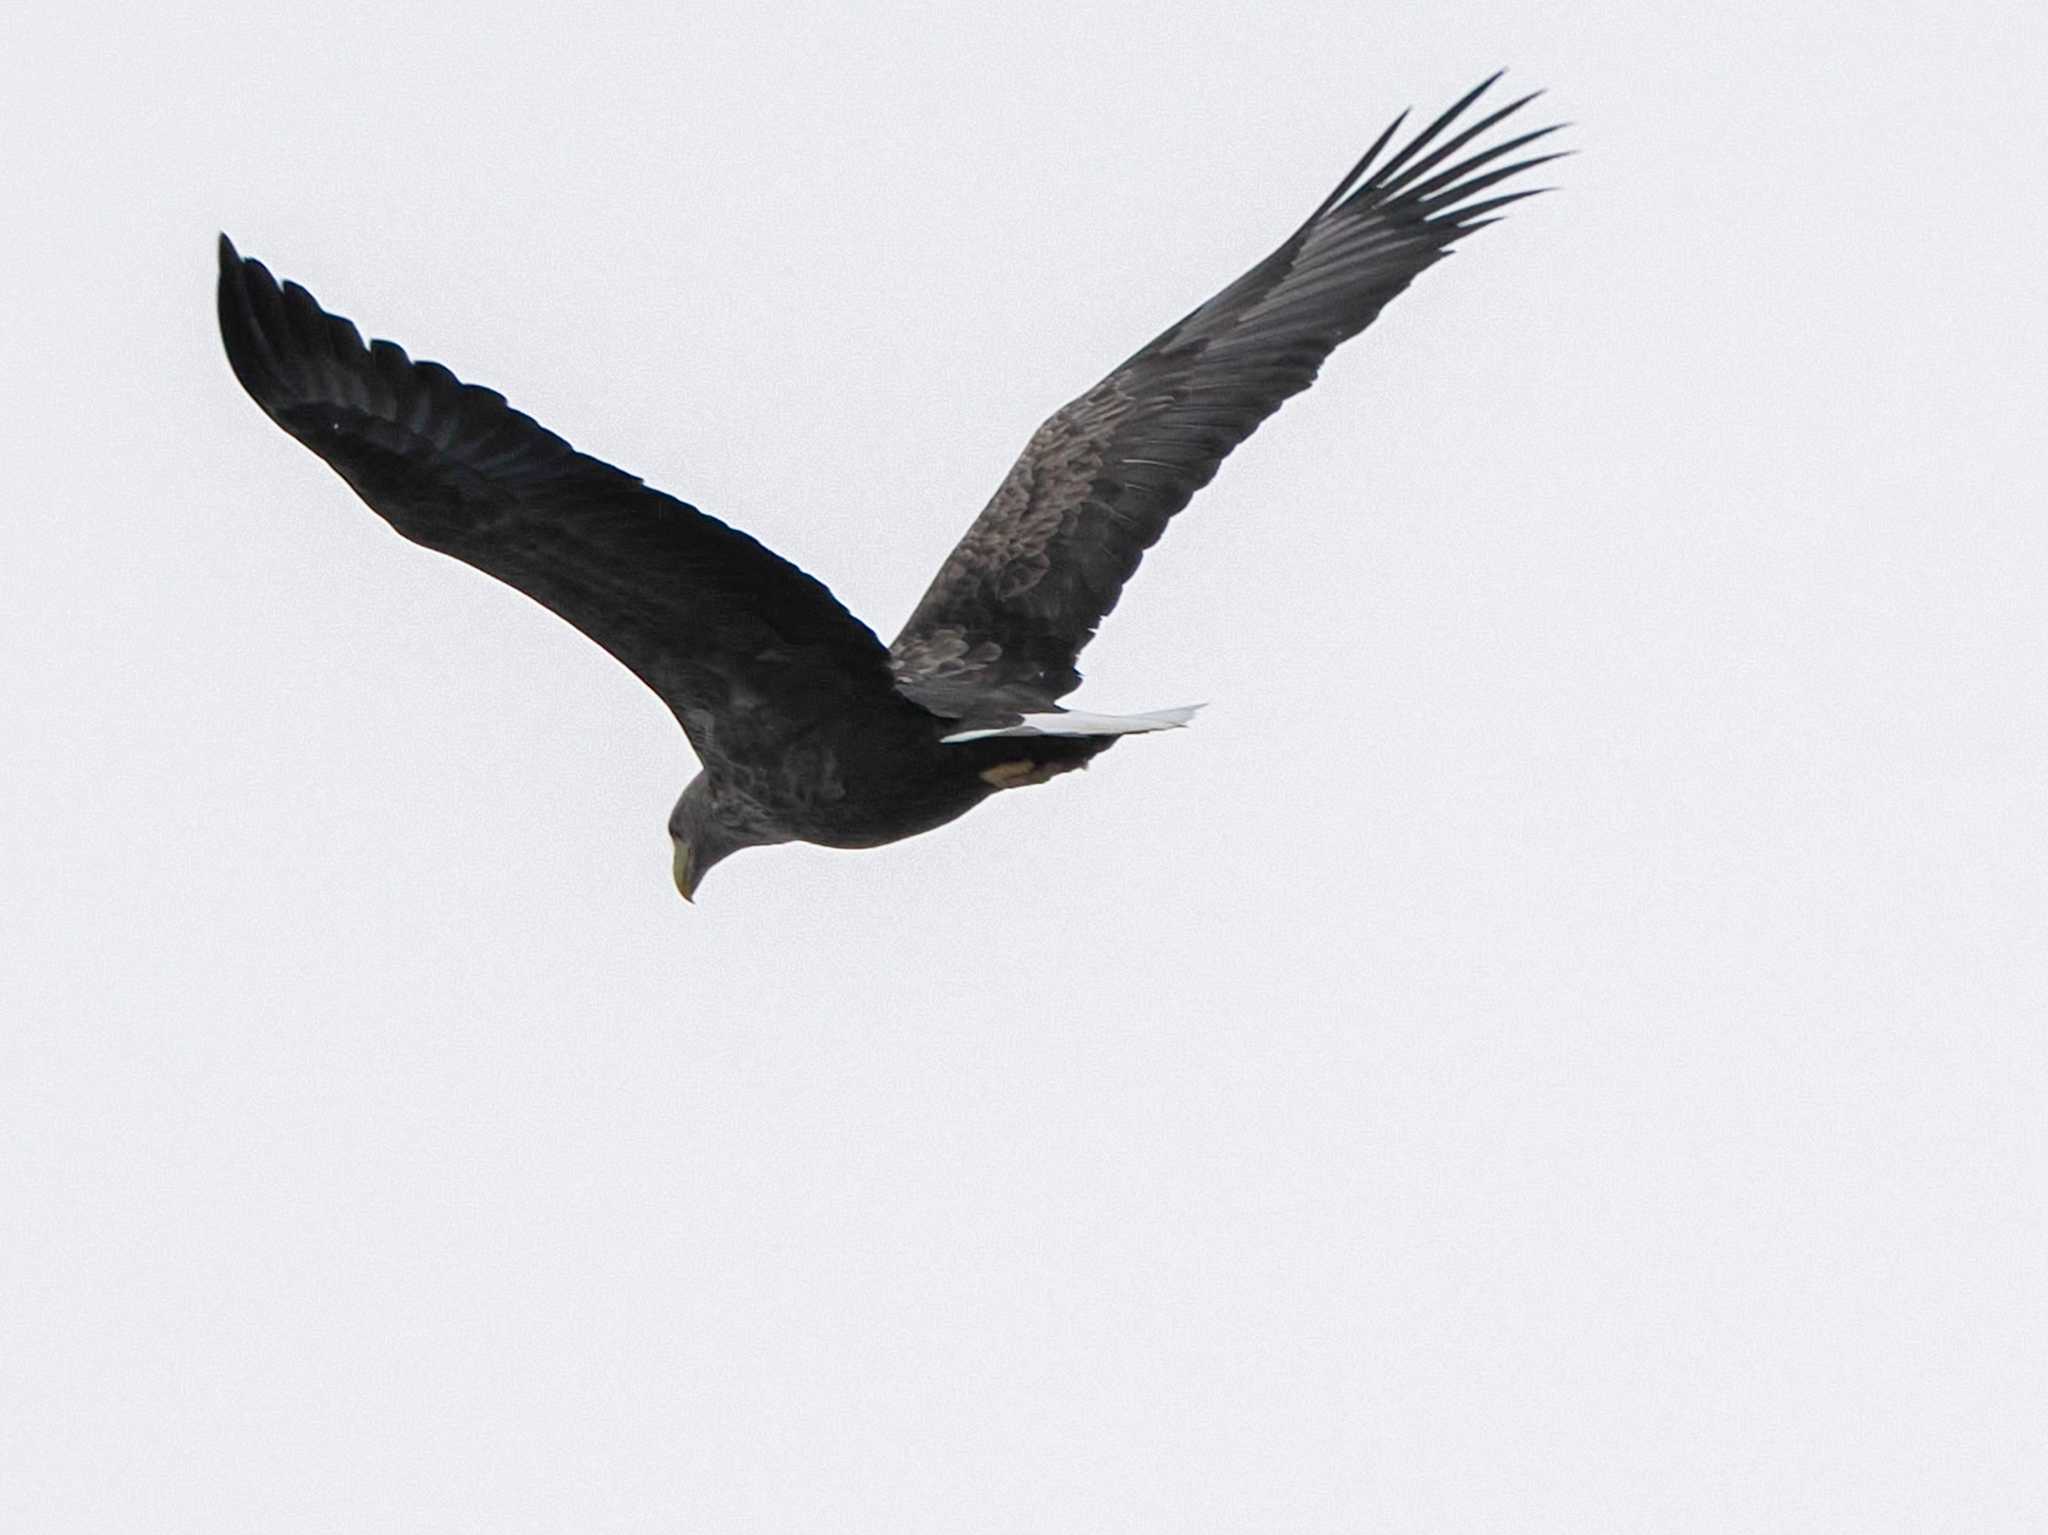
686 875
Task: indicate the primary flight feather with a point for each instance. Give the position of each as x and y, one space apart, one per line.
807 727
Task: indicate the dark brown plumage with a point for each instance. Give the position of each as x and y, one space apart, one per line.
808 729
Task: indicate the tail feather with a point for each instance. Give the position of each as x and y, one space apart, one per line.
1076 723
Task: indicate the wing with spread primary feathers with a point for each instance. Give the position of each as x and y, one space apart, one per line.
1045 562
745 649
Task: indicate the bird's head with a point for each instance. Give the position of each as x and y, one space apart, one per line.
707 826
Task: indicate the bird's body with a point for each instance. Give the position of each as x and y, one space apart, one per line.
849 789
807 727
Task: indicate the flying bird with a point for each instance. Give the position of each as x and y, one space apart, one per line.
807 727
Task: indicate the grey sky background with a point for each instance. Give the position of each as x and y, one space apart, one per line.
1559 1046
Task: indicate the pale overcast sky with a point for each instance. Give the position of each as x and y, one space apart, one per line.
1559 1046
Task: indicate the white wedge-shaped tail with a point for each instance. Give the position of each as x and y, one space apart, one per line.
1078 724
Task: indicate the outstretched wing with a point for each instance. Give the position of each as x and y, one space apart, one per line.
1045 562
745 648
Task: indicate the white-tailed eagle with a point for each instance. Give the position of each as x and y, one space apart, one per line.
808 728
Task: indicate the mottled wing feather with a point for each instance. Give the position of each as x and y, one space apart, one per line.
1025 590
746 649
